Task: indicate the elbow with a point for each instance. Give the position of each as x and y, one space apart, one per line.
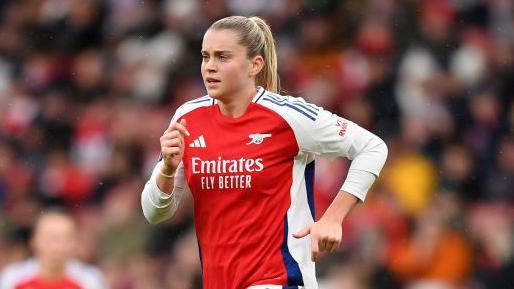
377 153
150 219
383 149
154 218
152 214
154 221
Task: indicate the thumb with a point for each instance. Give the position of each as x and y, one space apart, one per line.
304 232
183 122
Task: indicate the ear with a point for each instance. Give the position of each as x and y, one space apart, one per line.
256 65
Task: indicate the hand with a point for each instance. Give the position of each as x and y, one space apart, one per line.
172 146
325 234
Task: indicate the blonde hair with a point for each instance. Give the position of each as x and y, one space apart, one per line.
255 34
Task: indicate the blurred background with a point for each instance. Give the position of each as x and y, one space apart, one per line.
87 87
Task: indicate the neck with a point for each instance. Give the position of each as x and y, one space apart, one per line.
236 105
47 272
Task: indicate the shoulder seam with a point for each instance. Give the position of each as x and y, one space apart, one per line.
198 100
298 107
313 108
192 105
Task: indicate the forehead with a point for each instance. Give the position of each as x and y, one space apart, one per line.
221 40
52 223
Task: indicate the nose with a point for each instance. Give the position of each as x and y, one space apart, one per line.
210 66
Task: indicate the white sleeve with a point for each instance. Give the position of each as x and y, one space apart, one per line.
13 274
6 280
96 281
89 277
157 205
330 136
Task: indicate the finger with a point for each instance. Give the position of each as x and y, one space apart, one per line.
171 143
184 124
170 152
328 246
322 245
304 232
178 126
314 249
334 247
182 129
170 135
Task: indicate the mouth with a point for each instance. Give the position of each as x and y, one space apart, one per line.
211 80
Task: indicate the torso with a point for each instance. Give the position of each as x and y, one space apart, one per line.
239 172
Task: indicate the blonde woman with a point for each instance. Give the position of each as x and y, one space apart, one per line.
246 154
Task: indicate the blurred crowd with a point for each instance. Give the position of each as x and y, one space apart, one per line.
87 87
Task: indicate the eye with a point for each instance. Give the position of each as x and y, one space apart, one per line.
205 57
223 57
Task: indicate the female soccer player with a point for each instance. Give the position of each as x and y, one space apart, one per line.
246 153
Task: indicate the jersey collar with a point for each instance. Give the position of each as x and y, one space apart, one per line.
260 92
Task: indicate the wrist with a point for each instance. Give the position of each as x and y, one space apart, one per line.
167 176
332 217
167 171
340 207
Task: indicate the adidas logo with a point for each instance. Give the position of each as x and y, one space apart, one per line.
198 143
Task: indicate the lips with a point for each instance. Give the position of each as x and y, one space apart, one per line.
212 80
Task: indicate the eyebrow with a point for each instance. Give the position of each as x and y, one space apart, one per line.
217 52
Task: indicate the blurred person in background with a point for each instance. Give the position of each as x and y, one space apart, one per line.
492 228
246 153
436 250
53 265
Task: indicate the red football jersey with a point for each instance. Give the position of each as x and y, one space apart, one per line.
38 283
25 275
251 179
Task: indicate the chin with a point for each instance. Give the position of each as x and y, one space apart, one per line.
214 93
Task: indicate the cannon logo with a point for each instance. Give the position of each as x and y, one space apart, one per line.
258 138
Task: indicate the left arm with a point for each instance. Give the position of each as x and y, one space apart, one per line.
334 136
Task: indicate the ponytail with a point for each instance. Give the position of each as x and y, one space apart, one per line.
268 77
255 34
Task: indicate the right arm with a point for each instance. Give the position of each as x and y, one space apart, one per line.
157 204
164 189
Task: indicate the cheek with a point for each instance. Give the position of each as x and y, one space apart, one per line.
202 68
238 72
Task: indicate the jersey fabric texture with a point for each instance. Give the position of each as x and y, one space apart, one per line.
24 275
252 179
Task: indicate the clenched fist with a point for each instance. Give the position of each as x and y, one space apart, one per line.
172 146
